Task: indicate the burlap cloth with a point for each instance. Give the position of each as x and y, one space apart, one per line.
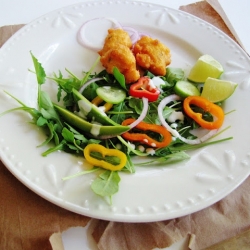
29 222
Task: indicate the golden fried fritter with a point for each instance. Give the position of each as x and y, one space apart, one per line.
116 52
152 55
114 37
122 58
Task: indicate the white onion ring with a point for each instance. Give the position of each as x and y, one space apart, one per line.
81 37
86 84
174 132
142 115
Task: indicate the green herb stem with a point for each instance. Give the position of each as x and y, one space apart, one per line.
80 173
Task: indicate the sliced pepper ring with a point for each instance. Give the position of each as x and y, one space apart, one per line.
144 138
207 106
144 88
104 152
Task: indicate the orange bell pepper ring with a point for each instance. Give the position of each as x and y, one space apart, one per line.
215 110
144 138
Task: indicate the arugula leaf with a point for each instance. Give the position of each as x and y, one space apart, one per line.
40 73
32 111
120 115
170 158
77 135
81 173
185 146
51 133
90 91
129 165
47 108
60 146
106 184
67 135
136 104
174 75
41 121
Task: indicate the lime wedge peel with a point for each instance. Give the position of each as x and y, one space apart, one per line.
217 90
206 66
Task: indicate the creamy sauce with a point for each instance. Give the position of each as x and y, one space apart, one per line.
102 110
176 115
81 114
131 145
141 148
118 146
150 151
174 125
95 130
157 82
85 107
151 84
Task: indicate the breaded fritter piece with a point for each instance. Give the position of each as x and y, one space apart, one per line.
152 55
116 52
114 37
122 58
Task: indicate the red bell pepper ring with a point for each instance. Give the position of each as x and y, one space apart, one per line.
144 88
144 138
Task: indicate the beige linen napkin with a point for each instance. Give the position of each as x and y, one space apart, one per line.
27 221
206 12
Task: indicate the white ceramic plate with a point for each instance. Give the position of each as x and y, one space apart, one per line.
152 193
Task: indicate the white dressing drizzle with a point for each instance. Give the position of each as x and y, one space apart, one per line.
158 82
95 130
141 148
176 115
150 151
84 106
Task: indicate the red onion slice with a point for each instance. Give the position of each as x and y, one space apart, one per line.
133 33
82 38
86 84
174 132
142 115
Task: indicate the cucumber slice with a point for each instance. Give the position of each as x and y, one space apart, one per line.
111 94
185 89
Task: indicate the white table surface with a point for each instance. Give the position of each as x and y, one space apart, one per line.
24 11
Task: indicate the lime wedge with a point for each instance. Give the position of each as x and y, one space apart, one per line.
185 89
206 66
216 90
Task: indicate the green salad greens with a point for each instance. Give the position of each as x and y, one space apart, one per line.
70 128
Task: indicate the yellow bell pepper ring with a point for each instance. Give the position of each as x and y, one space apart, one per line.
104 152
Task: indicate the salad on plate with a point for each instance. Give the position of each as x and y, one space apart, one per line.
138 106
